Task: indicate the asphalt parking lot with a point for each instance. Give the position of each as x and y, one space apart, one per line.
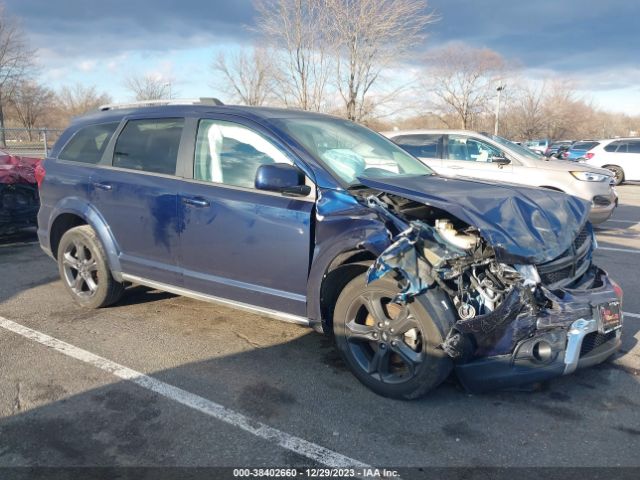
206 385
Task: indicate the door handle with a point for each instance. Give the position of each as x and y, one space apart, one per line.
456 167
103 186
195 202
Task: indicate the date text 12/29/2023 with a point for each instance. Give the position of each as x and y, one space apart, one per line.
366 472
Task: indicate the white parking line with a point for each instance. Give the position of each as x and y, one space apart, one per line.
295 444
632 315
611 249
621 221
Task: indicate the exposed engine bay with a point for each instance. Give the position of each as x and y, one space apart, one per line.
496 304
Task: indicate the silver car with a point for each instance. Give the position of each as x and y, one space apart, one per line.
456 153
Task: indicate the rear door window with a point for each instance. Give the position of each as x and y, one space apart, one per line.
89 143
149 145
422 145
612 147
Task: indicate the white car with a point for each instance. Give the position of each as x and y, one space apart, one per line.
620 155
454 153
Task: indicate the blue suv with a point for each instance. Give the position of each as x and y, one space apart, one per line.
316 220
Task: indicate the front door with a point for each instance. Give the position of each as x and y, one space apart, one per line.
470 157
237 242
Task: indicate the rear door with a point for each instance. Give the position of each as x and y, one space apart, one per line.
237 242
633 161
467 156
427 147
136 192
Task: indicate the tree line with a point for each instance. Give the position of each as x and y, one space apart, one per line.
364 60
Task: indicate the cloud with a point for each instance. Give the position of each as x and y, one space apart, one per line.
76 27
87 65
565 35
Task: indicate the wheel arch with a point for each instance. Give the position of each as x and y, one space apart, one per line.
549 187
72 212
344 268
607 165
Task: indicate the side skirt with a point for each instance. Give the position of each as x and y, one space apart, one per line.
267 312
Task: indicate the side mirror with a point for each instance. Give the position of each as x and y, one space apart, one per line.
500 161
283 178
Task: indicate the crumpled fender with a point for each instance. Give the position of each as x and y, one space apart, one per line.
341 224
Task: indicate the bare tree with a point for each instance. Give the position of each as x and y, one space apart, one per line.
297 28
566 114
148 87
371 35
16 59
526 113
75 100
31 102
247 77
463 80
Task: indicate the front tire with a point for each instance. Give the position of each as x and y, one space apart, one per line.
84 270
392 349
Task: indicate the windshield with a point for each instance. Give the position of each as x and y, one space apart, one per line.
350 151
519 149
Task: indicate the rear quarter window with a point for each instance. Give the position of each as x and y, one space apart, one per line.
634 146
88 144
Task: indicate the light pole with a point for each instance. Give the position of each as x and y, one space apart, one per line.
168 85
499 90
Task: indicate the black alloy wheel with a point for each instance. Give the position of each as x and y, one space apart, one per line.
392 348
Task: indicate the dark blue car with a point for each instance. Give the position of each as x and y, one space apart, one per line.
316 220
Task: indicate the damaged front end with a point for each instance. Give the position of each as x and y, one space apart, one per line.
517 323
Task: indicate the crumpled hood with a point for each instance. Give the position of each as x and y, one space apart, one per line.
522 224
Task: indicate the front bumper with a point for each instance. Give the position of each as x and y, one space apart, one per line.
568 343
504 371
603 206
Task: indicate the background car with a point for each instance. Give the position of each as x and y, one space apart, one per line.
579 149
19 201
538 146
456 153
620 155
557 148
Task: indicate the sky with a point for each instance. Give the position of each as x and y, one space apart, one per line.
595 44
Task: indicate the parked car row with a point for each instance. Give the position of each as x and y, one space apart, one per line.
621 156
317 220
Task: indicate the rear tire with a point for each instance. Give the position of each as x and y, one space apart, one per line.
84 270
390 348
618 173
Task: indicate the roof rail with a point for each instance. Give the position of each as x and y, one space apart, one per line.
157 103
